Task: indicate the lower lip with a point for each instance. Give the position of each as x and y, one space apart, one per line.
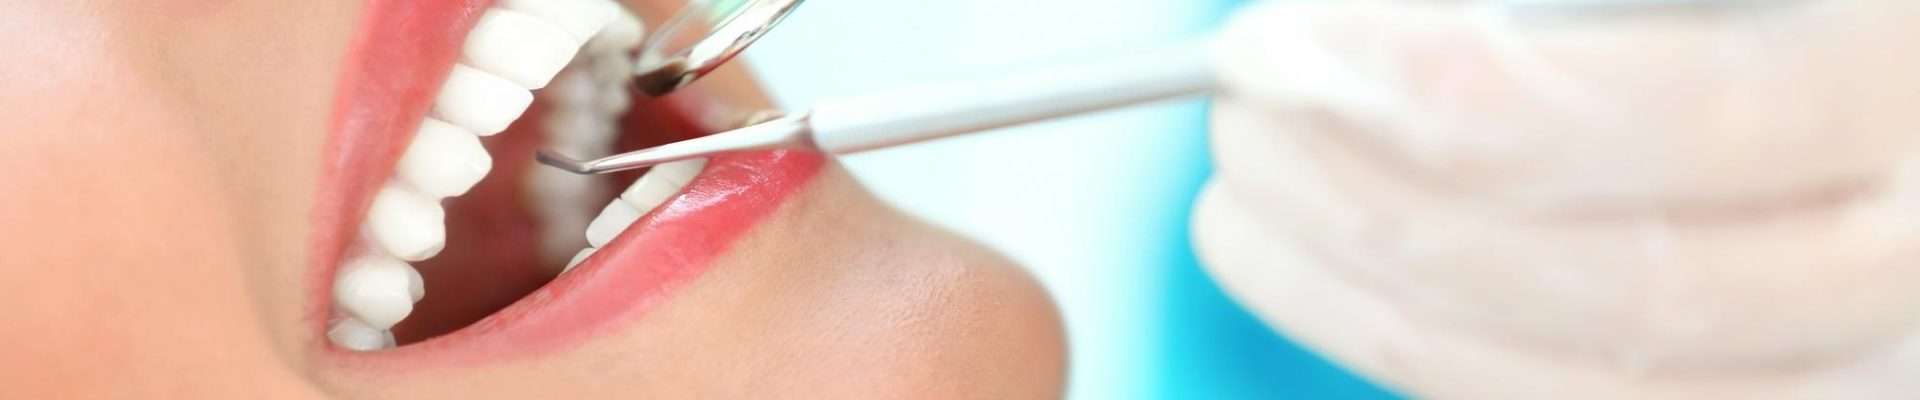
403 51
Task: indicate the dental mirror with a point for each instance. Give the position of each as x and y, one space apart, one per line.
701 37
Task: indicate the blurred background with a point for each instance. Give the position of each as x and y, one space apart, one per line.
1096 206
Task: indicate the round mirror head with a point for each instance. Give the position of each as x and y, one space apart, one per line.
701 37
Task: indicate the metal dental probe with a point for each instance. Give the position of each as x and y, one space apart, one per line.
930 112
708 33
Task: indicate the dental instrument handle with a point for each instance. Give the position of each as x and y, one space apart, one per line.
936 111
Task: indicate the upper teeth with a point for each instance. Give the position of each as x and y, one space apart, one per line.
356 335
481 102
377 290
516 47
581 19
443 161
520 47
406 224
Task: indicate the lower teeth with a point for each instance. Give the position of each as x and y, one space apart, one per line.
649 192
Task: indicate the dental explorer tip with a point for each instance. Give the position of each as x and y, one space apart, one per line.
557 160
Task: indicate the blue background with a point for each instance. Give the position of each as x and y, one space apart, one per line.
1096 206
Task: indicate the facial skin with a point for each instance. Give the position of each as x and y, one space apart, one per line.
156 183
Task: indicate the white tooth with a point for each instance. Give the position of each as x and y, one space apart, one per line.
611 70
519 47
649 192
479 101
358 336
572 89
615 102
407 225
680 172
556 244
612 220
580 18
577 130
621 33
375 289
444 160
564 202
416 285
578 258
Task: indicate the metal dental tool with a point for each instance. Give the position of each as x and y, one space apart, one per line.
720 29
931 112
701 37
710 32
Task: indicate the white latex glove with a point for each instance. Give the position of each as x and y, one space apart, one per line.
1465 200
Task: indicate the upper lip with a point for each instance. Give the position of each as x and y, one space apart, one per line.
399 56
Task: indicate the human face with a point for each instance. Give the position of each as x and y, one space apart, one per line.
182 180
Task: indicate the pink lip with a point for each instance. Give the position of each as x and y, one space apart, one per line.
403 51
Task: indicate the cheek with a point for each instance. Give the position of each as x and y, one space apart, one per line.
125 263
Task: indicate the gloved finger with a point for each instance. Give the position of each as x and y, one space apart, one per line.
1457 298
1705 283
1534 106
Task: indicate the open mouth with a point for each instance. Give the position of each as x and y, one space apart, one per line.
436 234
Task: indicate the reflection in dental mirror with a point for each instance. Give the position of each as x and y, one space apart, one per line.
701 37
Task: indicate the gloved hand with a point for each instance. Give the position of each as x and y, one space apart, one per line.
1471 200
